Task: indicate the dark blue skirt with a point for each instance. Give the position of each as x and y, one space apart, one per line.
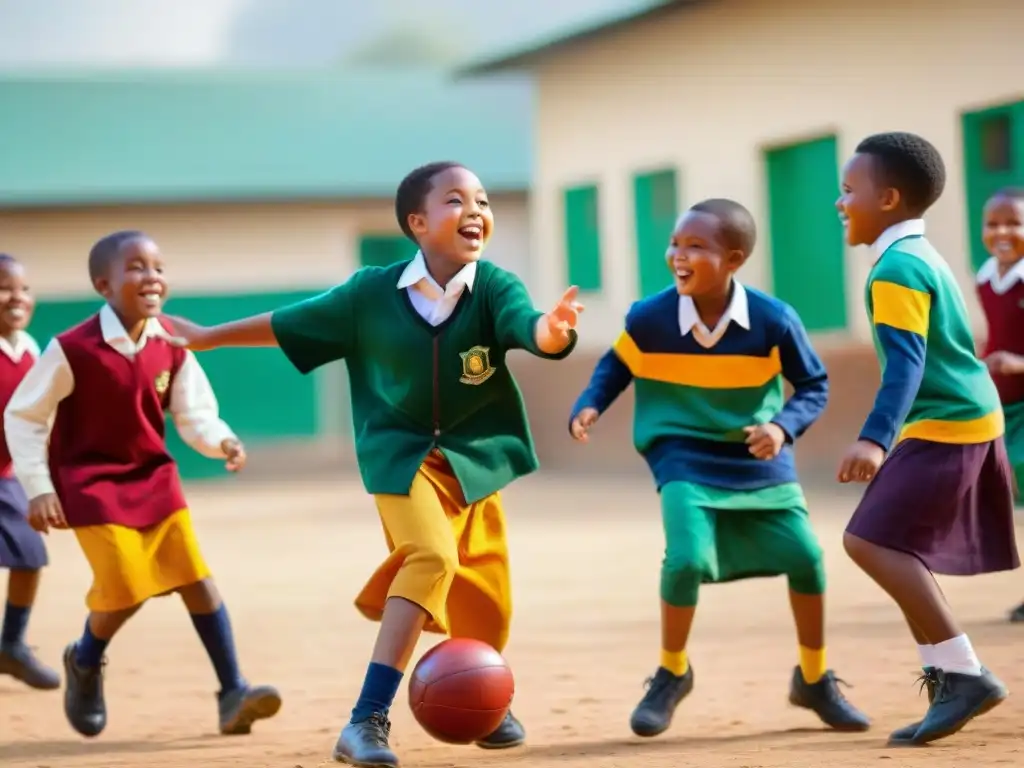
950 505
21 547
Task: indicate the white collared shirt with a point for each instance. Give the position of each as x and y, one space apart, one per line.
737 312
29 416
22 344
908 228
432 302
989 273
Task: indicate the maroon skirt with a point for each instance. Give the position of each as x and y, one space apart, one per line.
949 505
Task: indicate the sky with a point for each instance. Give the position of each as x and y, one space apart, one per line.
61 34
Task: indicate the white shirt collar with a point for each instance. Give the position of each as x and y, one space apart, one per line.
22 343
737 312
898 231
416 274
989 273
116 336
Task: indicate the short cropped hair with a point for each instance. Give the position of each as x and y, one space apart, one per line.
910 164
736 223
413 191
1010 193
107 249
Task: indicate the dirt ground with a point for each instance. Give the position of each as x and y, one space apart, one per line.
290 558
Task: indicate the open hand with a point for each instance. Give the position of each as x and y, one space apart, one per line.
765 441
564 316
861 462
45 512
187 334
1005 363
235 453
581 425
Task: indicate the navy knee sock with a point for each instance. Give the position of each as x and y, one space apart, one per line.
214 630
15 622
90 650
379 689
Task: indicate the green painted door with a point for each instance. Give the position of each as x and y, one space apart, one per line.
655 199
993 158
808 255
384 250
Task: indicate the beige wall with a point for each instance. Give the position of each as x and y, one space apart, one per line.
708 88
231 248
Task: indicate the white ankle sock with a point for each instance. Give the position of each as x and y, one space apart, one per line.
956 655
927 654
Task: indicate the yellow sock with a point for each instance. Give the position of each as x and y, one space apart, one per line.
675 662
812 664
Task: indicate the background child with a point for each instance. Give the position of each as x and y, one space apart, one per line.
1001 293
709 357
439 422
106 473
22 550
942 501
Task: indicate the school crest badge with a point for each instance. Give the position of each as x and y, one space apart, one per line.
162 382
476 365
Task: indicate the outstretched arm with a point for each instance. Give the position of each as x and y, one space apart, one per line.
311 333
802 368
519 325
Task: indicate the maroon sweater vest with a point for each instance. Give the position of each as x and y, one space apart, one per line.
108 458
11 374
1005 315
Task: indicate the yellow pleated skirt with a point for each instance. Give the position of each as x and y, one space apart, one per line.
130 566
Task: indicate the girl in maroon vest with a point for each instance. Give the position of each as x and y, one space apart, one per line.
1001 292
105 472
22 551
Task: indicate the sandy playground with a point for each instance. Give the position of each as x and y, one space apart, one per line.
289 559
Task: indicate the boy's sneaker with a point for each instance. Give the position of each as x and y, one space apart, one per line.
929 681
826 701
1017 614
240 708
21 663
84 705
958 700
507 735
653 715
364 744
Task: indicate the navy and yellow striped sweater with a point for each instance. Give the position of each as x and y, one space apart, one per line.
692 402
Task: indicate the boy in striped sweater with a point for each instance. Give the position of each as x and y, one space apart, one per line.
708 358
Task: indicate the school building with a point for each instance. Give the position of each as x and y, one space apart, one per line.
677 101
260 189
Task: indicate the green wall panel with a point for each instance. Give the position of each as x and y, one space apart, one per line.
261 395
655 202
808 256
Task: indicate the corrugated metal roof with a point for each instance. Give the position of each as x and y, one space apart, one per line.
189 136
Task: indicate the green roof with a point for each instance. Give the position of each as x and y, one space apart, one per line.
525 55
193 136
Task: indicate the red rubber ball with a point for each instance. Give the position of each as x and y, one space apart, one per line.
460 691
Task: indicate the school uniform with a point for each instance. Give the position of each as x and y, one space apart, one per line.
21 547
106 397
944 492
440 427
1002 299
727 515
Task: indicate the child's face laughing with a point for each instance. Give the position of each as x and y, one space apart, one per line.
1003 230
